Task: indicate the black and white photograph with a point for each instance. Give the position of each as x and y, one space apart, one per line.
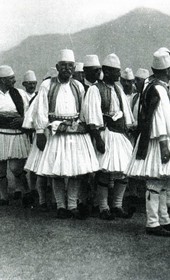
85 140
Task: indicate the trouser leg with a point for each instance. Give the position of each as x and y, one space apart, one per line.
72 192
102 198
163 209
17 168
58 186
118 192
3 180
83 190
41 185
33 179
102 180
154 188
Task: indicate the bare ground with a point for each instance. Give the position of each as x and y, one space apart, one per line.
37 246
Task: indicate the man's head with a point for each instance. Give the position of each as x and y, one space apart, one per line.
111 69
161 65
127 80
140 77
30 81
92 68
7 77
79 72
65 65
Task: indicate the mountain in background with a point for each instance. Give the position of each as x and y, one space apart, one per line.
133 37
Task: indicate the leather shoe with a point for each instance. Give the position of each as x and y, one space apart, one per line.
167 227
107 215
62 213
4 202
158 231
121 213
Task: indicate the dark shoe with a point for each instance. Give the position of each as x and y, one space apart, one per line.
62 213
17 195
83 211
54 206
167 227
74 214
121 213
28 200
95 212
43 207
34 193
158 231
4 202
107 215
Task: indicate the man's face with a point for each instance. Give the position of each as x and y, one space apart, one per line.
92 74
30 86
139 83
9 81
65 69
111 74
127 85
79 76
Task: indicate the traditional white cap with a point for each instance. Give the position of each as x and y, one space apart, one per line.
161 60
164 49
66 55
127 74
91 60
112 60
29 76
142 73
79 67
6 71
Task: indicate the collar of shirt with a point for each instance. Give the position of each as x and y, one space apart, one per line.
87 83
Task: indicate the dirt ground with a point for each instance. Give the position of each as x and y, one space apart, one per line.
37 246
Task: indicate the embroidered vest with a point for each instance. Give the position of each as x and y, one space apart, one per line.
53 92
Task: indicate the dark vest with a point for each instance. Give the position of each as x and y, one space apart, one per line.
53 92
149 101
105 93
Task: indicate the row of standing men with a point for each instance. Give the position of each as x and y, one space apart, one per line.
84 129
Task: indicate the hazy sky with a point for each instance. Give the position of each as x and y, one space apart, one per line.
22 18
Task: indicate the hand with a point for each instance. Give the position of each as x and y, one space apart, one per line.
16 123
165 153
41 141
62 127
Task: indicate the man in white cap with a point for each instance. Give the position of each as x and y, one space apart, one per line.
79 72
151 156
127 81
135 185
68 151
92 70
107 112
30 83
14 142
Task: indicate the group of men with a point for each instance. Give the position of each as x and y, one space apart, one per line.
80 129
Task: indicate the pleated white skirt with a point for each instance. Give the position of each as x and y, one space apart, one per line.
118 152
151 167
64 155
13 146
